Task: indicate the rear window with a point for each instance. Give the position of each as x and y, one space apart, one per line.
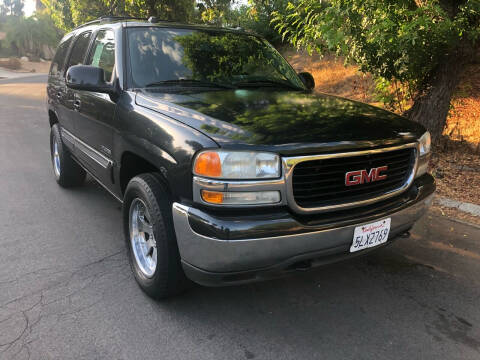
58 61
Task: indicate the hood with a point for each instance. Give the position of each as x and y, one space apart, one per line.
283 121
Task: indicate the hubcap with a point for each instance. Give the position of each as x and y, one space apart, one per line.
56 158
142 239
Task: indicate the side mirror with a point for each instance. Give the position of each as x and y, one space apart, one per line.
88 78
307 80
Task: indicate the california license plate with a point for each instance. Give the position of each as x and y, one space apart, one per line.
370 235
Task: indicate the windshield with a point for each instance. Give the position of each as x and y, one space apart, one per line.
185 57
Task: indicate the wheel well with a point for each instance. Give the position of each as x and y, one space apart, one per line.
52 118
131 166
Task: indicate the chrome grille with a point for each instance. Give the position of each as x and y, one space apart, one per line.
320 182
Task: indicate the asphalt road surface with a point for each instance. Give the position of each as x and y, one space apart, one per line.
66 291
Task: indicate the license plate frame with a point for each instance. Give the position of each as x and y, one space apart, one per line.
370 235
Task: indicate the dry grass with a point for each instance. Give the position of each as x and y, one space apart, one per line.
333 77
464 121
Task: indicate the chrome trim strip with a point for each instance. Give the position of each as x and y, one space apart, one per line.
289 164
89 151
200 183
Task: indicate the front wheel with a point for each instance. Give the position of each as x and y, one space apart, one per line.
150 237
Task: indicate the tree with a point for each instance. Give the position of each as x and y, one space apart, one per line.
258 16
177 10
423 44
70 13
216 12
28 36
60 12
11 7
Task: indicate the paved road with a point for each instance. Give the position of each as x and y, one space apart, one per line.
66 291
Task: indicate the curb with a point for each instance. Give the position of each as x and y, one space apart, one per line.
469 208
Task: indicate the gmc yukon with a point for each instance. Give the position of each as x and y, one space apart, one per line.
230 168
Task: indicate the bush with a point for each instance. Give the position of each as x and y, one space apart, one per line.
11 63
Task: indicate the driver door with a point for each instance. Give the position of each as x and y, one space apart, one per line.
96 113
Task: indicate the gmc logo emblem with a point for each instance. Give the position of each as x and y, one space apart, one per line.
362 176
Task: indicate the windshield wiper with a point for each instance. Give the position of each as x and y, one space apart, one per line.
190 82
266 82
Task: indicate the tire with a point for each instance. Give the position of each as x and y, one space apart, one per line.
155 264
67 172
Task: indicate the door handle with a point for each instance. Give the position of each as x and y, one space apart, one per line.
76 105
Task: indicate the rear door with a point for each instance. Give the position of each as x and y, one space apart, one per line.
95 112
56 88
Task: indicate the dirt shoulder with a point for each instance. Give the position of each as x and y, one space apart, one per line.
41 67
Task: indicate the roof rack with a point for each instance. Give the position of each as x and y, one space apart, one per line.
111 18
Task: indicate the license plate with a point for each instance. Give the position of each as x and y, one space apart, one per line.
370 235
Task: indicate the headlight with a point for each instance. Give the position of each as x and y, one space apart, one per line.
237 165
425 144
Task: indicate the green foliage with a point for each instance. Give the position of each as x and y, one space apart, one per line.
216 12
70 13
26 36
395 40
257 17
60 13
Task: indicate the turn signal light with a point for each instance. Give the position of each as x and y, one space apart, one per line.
208 164
241 197
213 197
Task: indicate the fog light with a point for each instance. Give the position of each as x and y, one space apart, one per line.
241 197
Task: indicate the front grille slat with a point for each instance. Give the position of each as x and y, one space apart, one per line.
318 183
299 190
338 172
392 160
350 190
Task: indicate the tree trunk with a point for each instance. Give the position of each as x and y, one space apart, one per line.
431 106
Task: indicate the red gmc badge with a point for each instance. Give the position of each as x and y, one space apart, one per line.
358 177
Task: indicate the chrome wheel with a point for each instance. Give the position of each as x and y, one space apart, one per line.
142 239
56 158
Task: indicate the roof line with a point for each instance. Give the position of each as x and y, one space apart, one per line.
109 18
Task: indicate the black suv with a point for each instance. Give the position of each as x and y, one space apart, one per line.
229 167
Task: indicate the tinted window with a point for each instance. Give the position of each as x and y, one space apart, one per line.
79 49
58 61
103 53
159 55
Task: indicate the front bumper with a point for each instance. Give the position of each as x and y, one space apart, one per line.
222 250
